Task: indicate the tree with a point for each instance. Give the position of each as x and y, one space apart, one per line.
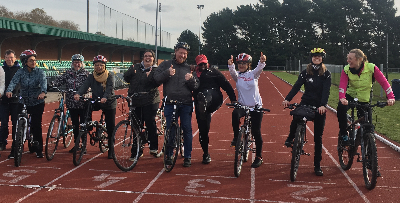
193 41
4 12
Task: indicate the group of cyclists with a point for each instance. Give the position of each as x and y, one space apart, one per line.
182 83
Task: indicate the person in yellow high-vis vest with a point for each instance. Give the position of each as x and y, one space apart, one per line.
356 82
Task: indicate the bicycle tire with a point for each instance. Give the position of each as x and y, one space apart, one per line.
247 146
69 131
127 141
182 144
296 151
346 155
171 146
80 147
160 121
370 161
239 152
19 142
103 143
52 137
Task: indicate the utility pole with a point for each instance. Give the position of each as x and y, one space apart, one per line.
200 7
156 32
87 16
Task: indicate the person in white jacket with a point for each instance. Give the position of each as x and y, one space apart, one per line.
2 81
248 95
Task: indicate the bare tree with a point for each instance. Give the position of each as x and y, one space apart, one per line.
4 12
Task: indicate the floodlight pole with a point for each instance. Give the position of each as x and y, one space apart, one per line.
200 7
87 16
156 32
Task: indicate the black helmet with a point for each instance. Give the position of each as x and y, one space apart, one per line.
183 45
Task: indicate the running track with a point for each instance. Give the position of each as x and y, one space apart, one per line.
97 179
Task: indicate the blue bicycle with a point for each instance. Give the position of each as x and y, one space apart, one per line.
60 126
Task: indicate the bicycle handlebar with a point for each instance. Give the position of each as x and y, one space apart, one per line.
380 104
239 106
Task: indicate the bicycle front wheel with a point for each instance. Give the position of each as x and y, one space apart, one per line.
172 142
296 151
19 142
103 143
239 152
69 131
52 137
126 145
345 154
370 161
80 147
160 121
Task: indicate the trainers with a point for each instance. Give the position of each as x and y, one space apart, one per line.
289 142
257 162
233 143
345 140
206 159
187 162
318 171
201 103
133 157
72 150
39 154
155 153
11 156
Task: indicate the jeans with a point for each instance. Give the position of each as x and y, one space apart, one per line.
7 109
185 114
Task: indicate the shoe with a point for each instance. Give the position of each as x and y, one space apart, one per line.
206 159
318 171
187 162
72 150
257 162
155 153
11 156
39 154
201 103
289 142
345 140
233 143
378 174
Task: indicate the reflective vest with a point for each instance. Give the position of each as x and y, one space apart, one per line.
360 86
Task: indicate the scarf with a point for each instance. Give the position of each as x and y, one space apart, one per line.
101 78
316 67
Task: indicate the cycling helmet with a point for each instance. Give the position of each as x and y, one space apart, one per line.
99 58
318 52
243 57
183 45
26 54
77 57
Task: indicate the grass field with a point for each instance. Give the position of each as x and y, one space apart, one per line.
386 120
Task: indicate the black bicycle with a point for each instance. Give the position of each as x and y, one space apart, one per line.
98 135
304 113
361 132
245 139
60 126
23 133
173 139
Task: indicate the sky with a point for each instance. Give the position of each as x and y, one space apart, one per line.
176 15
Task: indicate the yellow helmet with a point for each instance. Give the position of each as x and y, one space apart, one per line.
318 52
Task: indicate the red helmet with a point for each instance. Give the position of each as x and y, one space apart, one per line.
26 54
243 57
99 58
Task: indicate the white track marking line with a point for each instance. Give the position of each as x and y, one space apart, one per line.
335 162
149 186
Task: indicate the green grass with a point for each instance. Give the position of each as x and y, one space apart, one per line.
386 120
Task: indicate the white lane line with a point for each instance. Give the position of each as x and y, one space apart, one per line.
149 186
300 181
205 176
253 181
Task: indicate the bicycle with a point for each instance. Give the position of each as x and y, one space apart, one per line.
99 135
60 126
130 137
23 133
305 113
245 139
361 132
173 139
160 121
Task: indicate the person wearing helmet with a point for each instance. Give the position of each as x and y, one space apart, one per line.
356 82
178 84
33 91
248 95
316 79
145 97
101 81
8 106
73 79
208 98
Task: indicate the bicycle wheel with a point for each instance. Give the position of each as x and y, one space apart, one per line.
345 154
247 147
127 142
52 137
160 121
370 161
171 145
239 152
19 142
103 143
80 147
181 145
296 151
69 131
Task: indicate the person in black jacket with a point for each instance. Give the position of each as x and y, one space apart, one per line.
208 99
145 96
317 82
8 106
178 84
101 81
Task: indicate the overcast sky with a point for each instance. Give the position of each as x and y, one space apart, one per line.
177 15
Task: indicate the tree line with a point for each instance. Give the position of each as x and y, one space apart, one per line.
291 29
39 16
